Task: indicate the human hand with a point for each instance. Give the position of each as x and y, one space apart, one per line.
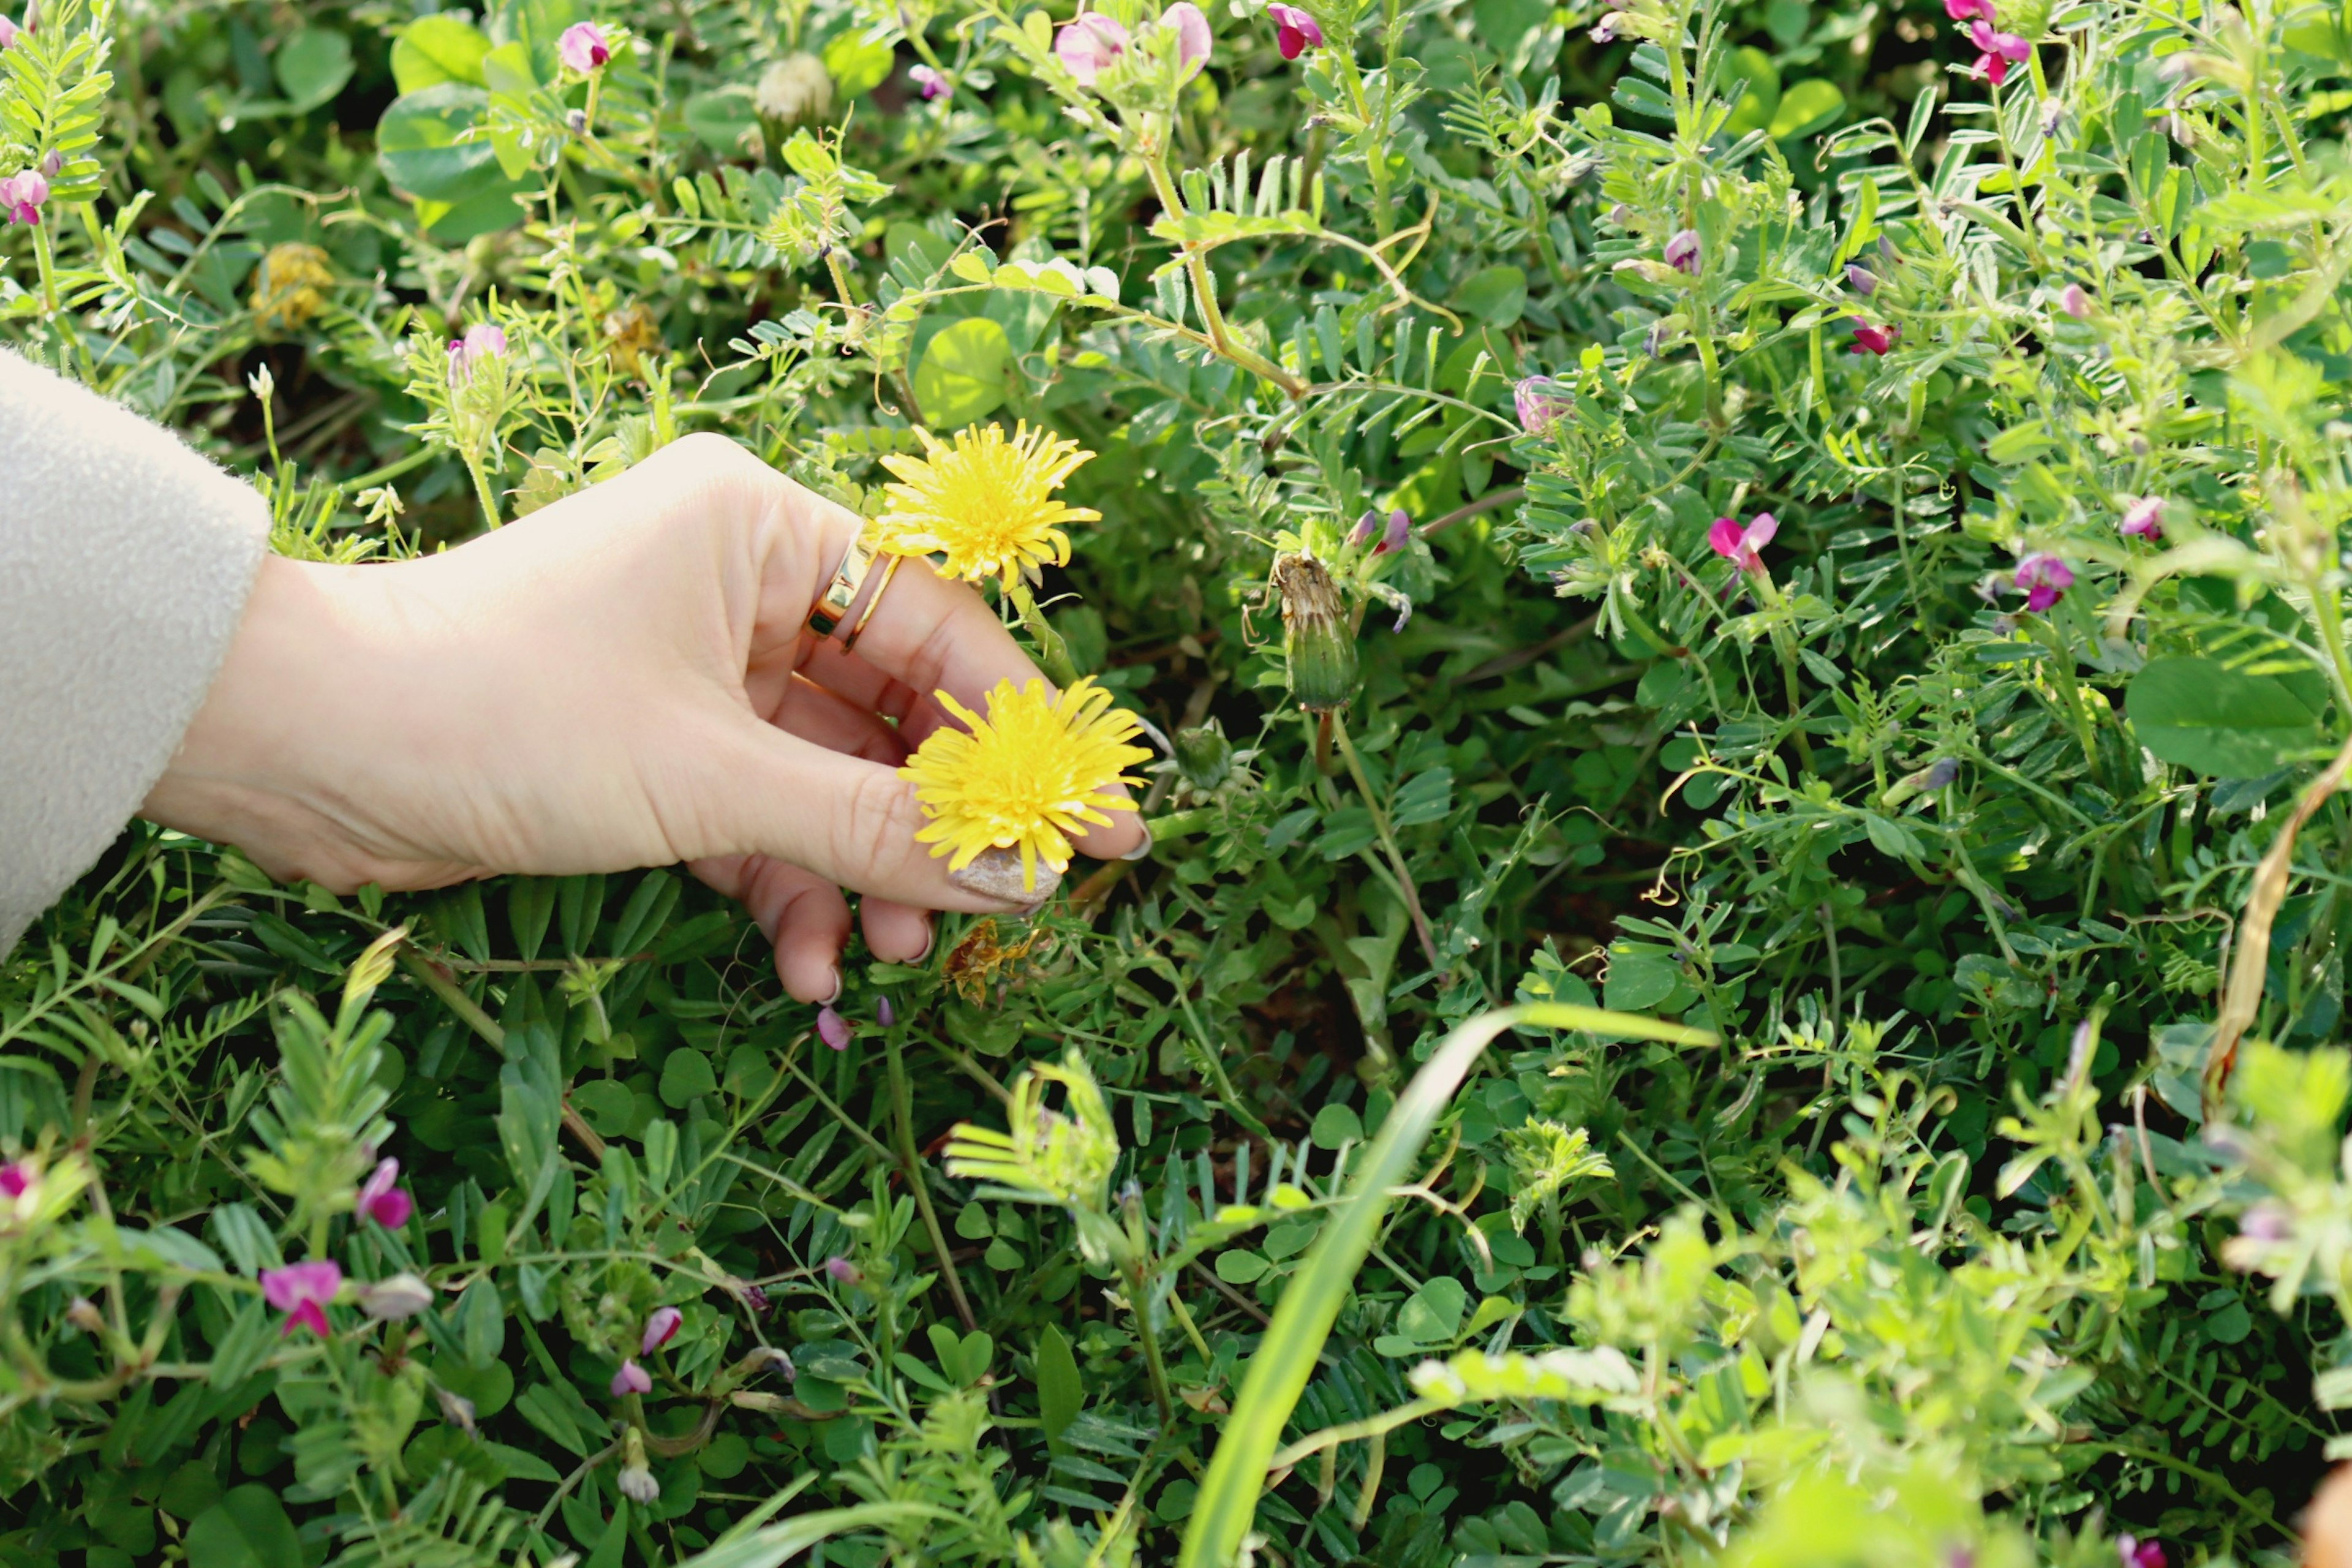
623 679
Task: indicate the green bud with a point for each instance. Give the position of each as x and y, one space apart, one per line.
1204 757
1316 640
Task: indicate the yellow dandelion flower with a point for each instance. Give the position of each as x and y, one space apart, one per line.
985 502
287 286
1027 776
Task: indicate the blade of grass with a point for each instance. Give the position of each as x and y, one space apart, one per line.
1302 1320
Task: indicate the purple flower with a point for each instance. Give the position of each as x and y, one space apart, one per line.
660 1329
1870 340
842 1270
832 1028
2144 517
483 342
51 164
755 1300
1860 280
383 1202
23 195
1682 251
2268 1220
1366 529
1739 545
17 1177
1088 45
1963 10
2134 1553
631 1379
1192 41
927 82
1393 537
2075 302
1541 403
884 1014
8 34
299 1290
1606 33
584 47
1999 50
1294 32
2043 578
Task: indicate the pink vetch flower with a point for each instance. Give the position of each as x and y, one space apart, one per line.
2136 1553
2143 518
1739 545
1999 51
1192 41
1088 45
1294 32
383 1202
584 47
300 1291
8 31
884 1014
23 195
832 1028
1541 403
1870 340
660 1329
1963 10
1366 529
842 1270
17 1177
482 341
927 82
1393 537
1860 280
2043 579
2074 300
631 1379
1682 251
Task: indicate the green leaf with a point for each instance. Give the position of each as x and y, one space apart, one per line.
768 1548
2200 715
437 49
1238 1267
1060 1393
856 63
1632 93
246 1528
1757 106
724 119
312 66
1335 1125
1496 295
1807 106
687 1076
417 147
1639 977
961 378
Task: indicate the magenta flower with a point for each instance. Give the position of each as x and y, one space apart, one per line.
383 1202
1294 32
2043 579
1088 45
660 1329
631 1379
1739 545
1541 403
2134 1553
17 1177
832 1028
2143 518
23 195
1366 529
2075 302
300 1291
884 1014
842 1270
1860 280
1870 340
584 47
2000 50
1682 251
482 343
8 33
927 82
1963 10
1393 536
1192 41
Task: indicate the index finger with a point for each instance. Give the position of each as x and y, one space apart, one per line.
937 635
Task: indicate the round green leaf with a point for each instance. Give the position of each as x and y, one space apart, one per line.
1335 1125
1761 100
417 144
1807 106
961 378
312 66
1237 1266
489 1387
2198 714
686 1077
856 63
246 1528
606 1104
1496 295
437 49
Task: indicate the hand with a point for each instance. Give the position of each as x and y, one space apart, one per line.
623 679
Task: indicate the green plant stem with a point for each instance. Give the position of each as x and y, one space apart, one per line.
1387 843
1052 651
482 491
910 1160
1205 290
43 257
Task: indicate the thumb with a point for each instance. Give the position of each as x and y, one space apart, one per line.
851 822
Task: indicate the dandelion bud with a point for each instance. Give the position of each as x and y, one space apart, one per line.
1316 644
660 1329
83 1316
401 1295
1393 537
456 1409
832 1028
1204 757
631 1379
1860 280
1366 529
841 1271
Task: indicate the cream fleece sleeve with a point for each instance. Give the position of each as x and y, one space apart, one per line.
125 560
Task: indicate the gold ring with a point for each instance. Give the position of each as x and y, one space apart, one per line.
889 570
848 577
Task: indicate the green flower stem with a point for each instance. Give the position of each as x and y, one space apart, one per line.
902 1120
482 490
46 261
1205 290
1052 651
1388 842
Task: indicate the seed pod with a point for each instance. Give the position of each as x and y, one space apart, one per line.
1204 757
1316 640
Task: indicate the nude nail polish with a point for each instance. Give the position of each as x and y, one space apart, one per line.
996 874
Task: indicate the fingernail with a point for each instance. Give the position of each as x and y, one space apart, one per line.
1144 850
996 874
931 941
834 994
